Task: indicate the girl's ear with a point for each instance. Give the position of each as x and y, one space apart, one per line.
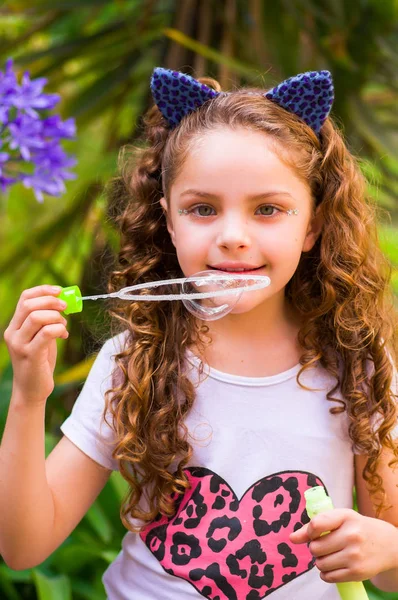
170 229
314 230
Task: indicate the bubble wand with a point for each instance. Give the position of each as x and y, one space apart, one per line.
214 285
318 501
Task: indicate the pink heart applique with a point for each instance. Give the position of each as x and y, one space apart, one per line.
231 549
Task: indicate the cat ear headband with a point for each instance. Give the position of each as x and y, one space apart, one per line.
308 95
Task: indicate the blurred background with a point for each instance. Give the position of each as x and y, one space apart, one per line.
99 55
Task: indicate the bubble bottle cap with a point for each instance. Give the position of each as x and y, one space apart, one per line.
317 500
73 298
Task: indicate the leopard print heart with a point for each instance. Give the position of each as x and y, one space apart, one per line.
230 548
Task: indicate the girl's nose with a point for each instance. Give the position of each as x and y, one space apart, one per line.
233 234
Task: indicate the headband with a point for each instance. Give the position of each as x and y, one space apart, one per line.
308 95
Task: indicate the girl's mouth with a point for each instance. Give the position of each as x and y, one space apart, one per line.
239 271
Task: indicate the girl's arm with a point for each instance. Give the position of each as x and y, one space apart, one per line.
41 502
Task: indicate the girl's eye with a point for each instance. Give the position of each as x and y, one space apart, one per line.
205 210
268 206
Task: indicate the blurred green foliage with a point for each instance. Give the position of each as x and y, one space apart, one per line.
99 56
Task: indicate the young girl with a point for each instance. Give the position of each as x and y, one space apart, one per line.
220 426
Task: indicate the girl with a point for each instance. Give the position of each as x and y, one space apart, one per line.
219 427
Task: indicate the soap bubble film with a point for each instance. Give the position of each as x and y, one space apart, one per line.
229 287
208 295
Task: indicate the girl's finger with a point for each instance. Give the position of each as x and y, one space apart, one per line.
36 321
47 333
24 307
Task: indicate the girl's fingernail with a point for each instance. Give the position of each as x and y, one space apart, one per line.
56 289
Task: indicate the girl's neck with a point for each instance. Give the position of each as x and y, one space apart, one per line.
262 348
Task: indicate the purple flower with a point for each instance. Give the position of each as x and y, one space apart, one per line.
8 85
26 134
42 181
4 156
4 110
51 163
30 96
53 126
29 137
52 157
6 182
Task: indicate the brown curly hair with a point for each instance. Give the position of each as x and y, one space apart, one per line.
341 290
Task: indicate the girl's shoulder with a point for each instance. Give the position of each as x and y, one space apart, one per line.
105 362
118 342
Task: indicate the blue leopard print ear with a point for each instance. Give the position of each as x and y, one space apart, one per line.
177 94
308 95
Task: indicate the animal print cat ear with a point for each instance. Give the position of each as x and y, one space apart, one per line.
309 95
177 94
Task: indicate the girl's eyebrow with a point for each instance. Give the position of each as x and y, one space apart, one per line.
262 196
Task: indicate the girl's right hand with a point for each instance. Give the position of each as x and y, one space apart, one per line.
31 341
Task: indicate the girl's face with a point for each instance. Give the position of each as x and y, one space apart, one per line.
237 191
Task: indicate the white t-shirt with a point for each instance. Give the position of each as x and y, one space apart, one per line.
259 443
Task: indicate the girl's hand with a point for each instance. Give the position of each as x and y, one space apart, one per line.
357 548
31 342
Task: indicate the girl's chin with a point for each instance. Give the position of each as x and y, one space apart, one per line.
248 302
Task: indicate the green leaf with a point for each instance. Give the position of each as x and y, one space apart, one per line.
389 243
51 588
5 394
70 47
16 576
376 594
274 27
99 522
104 89
7 586
45 240
378 137
50 442
394 282
119 484
110 555
44 5
71 557
210 53
75 374
82 589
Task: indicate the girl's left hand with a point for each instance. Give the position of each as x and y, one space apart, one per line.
357 547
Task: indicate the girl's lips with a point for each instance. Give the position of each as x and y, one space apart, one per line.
243 272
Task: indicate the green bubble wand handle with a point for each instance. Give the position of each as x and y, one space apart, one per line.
317 501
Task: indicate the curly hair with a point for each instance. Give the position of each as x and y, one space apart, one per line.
341 290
